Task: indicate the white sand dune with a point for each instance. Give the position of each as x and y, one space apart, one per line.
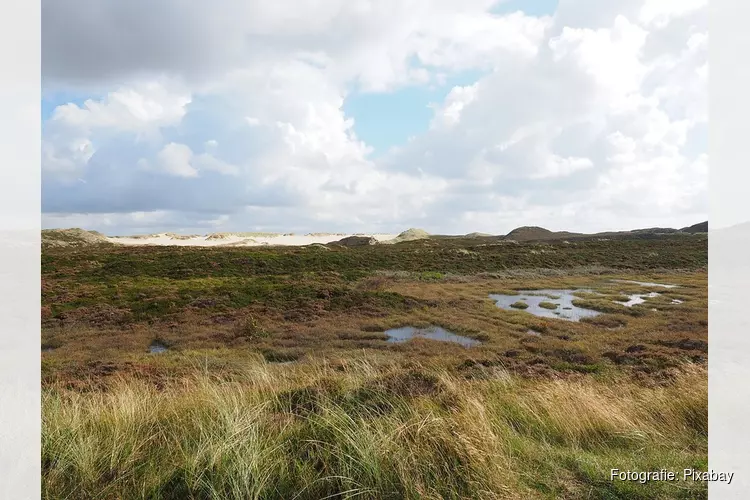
239 239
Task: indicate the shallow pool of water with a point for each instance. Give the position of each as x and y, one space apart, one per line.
646 283
638 298
157 348
563 299
434 333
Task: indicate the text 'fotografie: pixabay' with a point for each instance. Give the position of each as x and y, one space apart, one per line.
670 475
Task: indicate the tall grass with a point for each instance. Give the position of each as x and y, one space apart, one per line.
371 432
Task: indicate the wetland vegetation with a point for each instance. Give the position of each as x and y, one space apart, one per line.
187 372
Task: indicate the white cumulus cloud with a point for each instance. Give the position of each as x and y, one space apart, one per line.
593 117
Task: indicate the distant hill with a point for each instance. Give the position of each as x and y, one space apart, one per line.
650 230
356 241
72 237
535 233
80 237
701 227
532 233
227 236
410 235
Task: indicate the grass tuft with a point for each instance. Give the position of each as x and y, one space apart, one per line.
293 434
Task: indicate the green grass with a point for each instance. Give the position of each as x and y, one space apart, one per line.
548 305
99 265
369 431
519 305
607 306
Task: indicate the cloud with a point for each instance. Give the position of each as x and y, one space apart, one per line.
138 112
174 159
180 161
594 126
586 120
128 109
87 42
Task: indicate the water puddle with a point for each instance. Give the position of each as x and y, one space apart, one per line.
546 303
677 301
157 348
434 333
638 298
646 283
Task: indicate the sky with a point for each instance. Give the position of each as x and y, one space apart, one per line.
374 116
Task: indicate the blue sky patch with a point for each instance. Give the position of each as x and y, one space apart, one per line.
387 120
529 7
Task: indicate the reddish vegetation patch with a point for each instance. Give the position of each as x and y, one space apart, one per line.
100 315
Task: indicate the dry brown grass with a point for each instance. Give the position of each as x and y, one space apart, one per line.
369 431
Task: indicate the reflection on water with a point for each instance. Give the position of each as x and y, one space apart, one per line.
562 299
157 348
434 333
638 298
646 283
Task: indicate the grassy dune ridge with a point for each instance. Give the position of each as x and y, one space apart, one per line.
367 431
446 255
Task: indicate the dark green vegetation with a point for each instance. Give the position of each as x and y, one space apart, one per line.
278 380
701 227
533 233
519 305
438 254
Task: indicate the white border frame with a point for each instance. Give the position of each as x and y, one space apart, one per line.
729 250
20 132
20 46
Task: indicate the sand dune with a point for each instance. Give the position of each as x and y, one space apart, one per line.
80 237
240 239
